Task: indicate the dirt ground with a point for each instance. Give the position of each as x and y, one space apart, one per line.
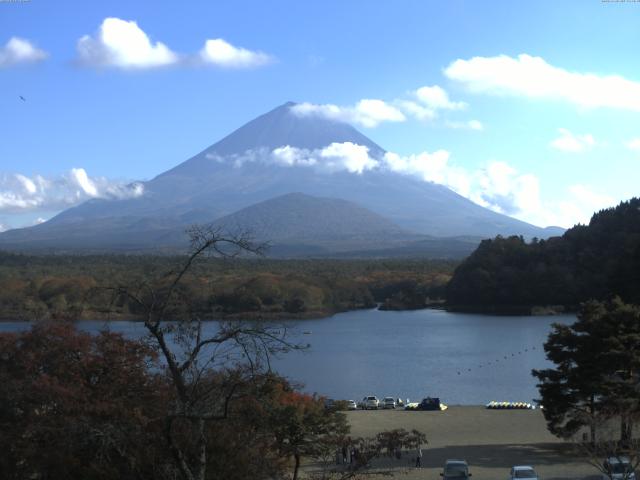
491 441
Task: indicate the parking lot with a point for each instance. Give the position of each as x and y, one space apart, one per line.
491 441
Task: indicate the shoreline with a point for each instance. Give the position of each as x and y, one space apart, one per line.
519 311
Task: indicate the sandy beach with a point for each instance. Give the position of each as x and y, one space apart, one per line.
491 441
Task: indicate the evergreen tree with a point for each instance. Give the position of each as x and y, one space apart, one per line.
595 377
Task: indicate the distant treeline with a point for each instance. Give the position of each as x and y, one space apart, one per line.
596 261
75 287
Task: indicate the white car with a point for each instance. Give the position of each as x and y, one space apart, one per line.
351 405
521 472
370 403
388 402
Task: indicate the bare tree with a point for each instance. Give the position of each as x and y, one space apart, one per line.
367 452
612 454
208 365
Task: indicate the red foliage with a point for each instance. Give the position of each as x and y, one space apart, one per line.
75 405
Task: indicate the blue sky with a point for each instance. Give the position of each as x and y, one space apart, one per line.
529 108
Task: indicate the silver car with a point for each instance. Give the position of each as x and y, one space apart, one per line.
388 402
520 472
370 403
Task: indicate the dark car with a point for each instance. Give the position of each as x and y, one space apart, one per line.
455 470
429 403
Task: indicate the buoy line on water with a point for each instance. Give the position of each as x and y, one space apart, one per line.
505 357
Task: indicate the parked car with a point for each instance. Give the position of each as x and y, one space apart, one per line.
618 468
351 405
522 472
329 403
370 403
388 402
429 404
455 470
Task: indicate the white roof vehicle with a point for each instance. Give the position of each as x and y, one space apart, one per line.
370 402
523 472
389 402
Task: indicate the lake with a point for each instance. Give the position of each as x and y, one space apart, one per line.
461 358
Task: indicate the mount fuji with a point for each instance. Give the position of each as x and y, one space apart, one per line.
308 184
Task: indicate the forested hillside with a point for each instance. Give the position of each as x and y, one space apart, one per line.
588 262
34 287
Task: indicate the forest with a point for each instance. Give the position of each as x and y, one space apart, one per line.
181 403
77 286
595 261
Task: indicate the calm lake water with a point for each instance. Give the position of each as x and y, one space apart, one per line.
461 358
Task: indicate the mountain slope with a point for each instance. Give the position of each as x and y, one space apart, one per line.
296 216
595 261
239 171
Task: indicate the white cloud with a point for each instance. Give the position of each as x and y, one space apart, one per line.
20 193
3 227
503 189
585 201
290 156
417 111
39 220
354 158
633 144
497 185
367 112
436 98
533 77
335 157
123 44
569 142
20 51
80 178
427 101
424 104
468 125
223 54
431 167
578 204
475 125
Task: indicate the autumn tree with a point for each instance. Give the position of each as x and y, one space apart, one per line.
78 406
303 427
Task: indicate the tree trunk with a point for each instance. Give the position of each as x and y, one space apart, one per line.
625 430
296 466
202 450
592 422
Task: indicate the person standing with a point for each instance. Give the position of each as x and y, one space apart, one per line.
418 457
